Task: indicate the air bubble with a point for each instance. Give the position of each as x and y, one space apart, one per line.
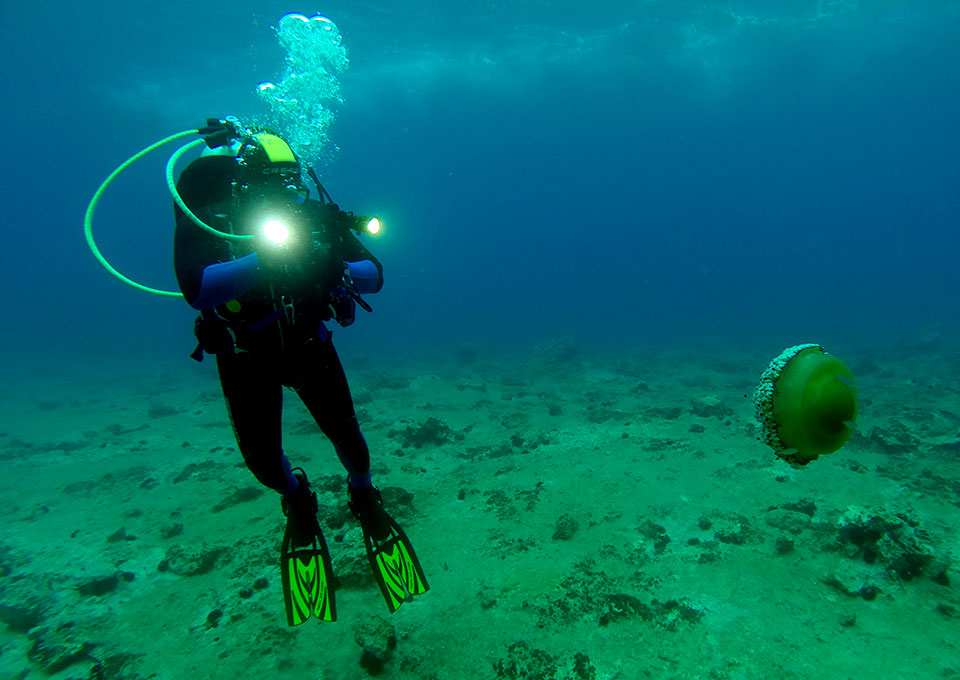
302 101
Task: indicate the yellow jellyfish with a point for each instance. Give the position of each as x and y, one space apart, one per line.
806 403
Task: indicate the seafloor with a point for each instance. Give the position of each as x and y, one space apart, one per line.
578 518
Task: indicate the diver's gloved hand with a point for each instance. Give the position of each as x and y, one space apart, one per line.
272 259
342 307
304 274
283 266
323 270
332 217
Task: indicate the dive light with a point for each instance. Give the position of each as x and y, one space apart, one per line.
363 224
276 232
373 226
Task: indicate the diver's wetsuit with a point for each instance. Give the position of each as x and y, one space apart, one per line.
261 347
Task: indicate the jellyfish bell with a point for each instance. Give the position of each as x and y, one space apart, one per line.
806 403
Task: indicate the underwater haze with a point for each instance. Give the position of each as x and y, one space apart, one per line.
602 220
628 172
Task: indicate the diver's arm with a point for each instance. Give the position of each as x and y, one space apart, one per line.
365 269
203 186
206 270
366 276
225 281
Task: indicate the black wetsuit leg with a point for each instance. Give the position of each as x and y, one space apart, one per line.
254 394
319 380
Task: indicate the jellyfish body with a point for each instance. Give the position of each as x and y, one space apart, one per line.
806 403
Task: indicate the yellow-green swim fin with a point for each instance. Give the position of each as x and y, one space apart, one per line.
396 568
307 576
305 567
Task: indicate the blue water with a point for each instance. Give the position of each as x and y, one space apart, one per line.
648 173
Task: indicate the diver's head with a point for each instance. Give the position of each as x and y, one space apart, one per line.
267 164
269 186
264 159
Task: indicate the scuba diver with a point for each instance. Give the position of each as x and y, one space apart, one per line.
275 268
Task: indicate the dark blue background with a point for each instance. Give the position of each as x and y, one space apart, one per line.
648 174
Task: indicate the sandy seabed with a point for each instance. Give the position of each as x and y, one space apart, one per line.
578 518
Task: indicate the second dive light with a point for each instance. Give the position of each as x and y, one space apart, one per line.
362 224
373 226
